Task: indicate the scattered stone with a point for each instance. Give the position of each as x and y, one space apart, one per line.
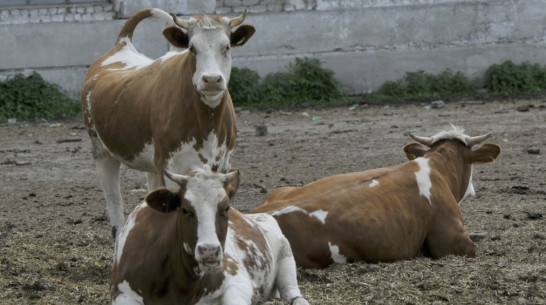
330 125
12 121
261 130
520 189
534 215
507 216
522 108
38 286
532 151
437 104
69 140
18 163
477 236
496 237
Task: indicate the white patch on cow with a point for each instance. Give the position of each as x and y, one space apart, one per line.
172 53
470 188
336 257
423 178
129 56
128 296
455 133
204 193
374 183
88 103
318 214
187 248
122 238
157 13
184 158
143 160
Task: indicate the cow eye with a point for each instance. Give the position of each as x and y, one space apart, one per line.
227 209
192 49
184 211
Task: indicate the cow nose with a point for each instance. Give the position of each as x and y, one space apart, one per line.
209 251
212 79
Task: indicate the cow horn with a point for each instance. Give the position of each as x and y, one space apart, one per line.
179 179
471 141
237 20
185 24
423 140
229 177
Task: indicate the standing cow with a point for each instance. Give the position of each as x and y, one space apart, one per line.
187 246
170 113
385 214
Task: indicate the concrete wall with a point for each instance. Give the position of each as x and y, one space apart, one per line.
365 42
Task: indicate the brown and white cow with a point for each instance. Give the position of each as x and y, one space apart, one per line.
385 214
187 246
170 113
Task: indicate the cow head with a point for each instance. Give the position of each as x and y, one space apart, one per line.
202 204
209 40
456 145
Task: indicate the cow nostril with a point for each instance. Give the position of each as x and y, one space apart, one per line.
219 80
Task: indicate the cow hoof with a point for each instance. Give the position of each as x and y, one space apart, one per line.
300 301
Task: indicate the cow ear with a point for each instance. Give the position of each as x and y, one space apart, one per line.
231 184
487 153
242 34
414 150
163 200
176 37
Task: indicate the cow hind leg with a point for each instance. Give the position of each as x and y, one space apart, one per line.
286 280
108 169
453 242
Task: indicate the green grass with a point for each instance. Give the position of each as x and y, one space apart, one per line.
31 97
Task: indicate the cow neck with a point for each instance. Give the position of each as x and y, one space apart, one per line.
448 159
188 281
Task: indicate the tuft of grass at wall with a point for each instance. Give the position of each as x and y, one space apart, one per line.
31 97
304 81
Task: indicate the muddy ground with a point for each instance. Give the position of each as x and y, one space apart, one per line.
55 244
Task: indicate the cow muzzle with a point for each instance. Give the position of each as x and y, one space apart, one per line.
209 257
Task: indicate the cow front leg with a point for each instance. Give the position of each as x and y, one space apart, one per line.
153 181
286 280
108 172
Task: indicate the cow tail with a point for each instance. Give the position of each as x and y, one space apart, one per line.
129 26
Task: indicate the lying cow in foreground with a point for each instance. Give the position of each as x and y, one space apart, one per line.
385 214
187 246
170 113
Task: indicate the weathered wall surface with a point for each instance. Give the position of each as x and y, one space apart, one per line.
366 42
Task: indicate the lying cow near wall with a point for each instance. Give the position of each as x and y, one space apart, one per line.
386 214
170 113
187 246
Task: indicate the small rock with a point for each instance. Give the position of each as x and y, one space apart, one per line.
533 151
261 130
12 121
477 236
305 114
534 215
522 108
507 216
437 104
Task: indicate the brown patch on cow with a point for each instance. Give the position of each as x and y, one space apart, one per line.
251 240
230 265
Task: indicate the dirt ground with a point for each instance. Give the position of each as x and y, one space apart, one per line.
55 244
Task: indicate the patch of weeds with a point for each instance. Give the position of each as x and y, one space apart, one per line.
31 97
